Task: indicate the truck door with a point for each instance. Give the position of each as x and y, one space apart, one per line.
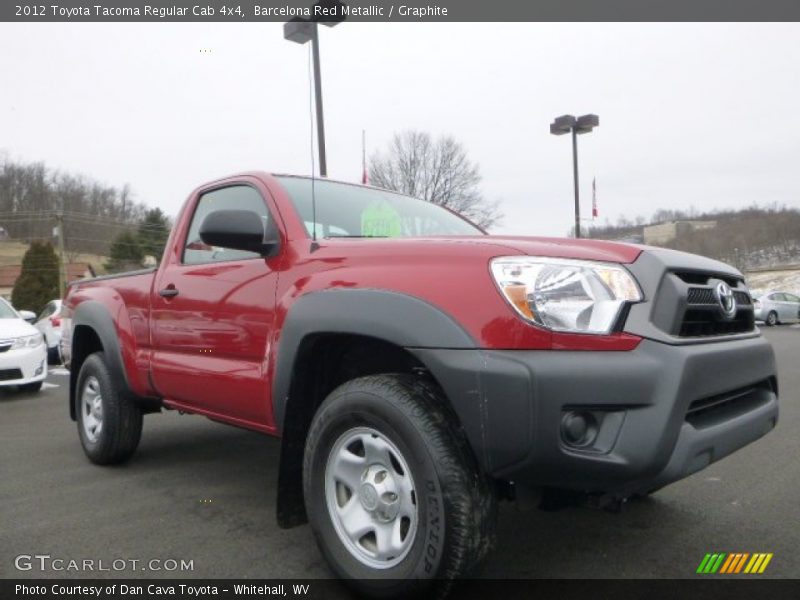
212 316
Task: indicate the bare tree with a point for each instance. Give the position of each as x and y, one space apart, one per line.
94 213
434 170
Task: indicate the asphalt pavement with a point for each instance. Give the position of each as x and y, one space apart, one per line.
204 492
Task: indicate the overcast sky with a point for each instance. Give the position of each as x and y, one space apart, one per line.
703 115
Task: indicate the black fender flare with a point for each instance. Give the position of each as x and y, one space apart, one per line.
405 321
96 317
400 319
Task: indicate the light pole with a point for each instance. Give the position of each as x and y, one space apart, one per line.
566 124
300 31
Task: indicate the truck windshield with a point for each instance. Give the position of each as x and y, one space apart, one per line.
347 210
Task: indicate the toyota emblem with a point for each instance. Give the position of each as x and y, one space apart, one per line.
726 299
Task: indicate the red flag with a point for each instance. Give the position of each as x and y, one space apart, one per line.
364 178
594 197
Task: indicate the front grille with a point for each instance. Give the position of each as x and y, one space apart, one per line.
688 306
705 278
701 296
708 322
705 296
743 298
721 407
10 374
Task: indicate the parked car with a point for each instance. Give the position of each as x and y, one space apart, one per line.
773 308
23 355
49 323
418 369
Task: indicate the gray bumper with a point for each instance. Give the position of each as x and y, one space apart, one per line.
697 448
663 411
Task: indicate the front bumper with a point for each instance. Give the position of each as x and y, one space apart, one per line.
663 411
26 365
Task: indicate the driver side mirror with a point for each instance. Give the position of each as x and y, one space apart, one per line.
28 316
240 230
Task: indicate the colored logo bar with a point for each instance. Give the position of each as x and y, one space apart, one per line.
734 563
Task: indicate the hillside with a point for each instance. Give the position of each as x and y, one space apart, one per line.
93 214
783 280
749 238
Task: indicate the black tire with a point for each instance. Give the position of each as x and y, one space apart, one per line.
121 428
454 501
30 387
772 319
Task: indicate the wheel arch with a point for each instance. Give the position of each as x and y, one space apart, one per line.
333 336
93 331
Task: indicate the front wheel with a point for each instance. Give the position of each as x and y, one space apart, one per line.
393 493
109 423
772 319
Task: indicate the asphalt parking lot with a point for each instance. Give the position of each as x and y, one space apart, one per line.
203 492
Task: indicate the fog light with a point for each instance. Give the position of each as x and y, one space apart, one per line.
578 428
39 370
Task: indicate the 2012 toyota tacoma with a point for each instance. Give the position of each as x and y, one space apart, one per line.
416 368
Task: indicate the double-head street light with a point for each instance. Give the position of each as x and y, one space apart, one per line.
301 31
566 124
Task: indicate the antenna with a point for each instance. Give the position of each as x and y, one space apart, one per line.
313 167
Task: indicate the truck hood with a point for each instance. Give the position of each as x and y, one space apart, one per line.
496 245
598 250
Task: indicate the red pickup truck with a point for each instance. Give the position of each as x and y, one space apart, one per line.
416 368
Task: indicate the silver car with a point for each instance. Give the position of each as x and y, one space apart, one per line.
777 307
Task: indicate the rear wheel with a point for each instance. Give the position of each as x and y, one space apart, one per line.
772 319
393 494
109 423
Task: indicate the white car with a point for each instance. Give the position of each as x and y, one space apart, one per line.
49 323
23 354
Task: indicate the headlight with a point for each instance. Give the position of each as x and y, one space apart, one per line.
30 341
566 295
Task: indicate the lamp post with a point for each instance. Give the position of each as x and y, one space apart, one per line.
301 31
567 124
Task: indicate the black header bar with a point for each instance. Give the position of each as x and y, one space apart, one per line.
107 11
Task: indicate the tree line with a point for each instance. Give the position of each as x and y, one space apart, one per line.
32 194
750 237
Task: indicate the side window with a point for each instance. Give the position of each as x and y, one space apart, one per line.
236 197
791 298
776 297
